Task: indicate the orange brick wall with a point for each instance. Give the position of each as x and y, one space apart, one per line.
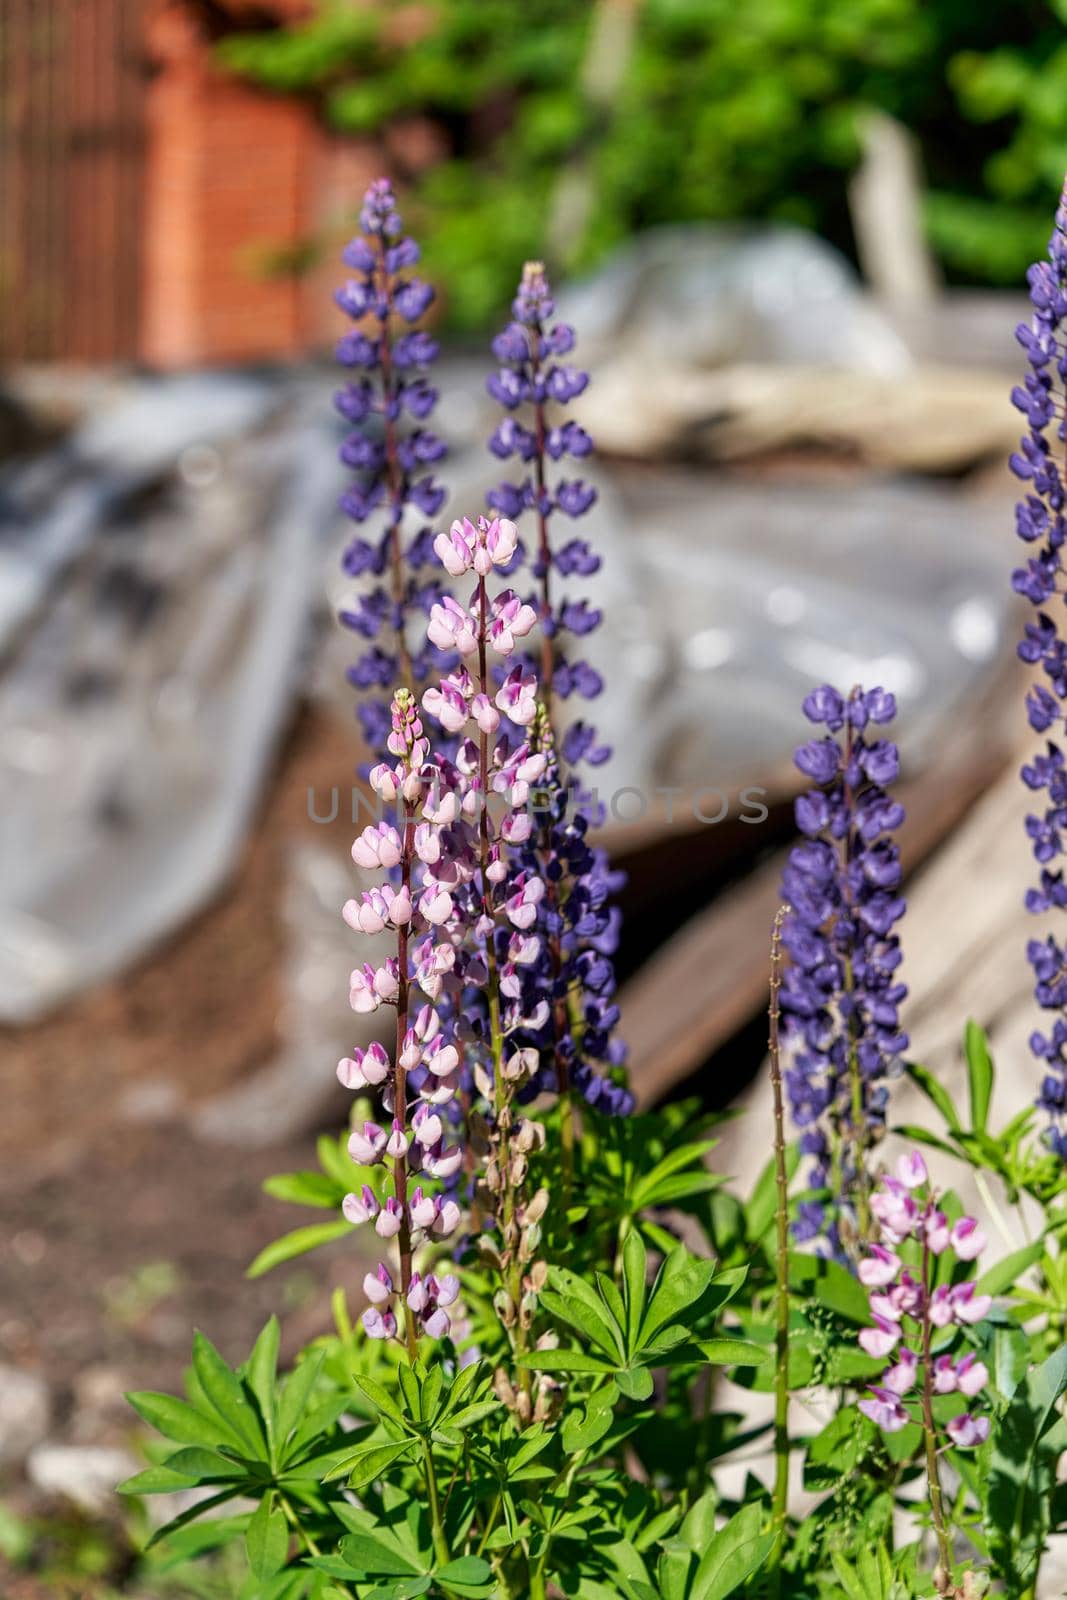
233 178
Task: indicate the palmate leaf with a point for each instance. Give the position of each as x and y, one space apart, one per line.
573 1301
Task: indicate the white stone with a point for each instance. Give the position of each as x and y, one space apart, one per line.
25 1413
86 1475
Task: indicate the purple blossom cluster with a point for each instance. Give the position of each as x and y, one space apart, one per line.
910 1308
531 380
1040 523
463 908
392 452
579 923
841 995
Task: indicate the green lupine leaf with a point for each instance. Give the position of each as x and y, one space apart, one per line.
645 1191
262 1376
370 1555
634 1269
564 1361
979 1074
267 1538
297 1243
830 1284
1006 1272
936 1092
223 1389
156 1480
595 1326
201 1509
369 1461
582 1430
698 1525
634 1382
306 1189
679 1288
468 1572
726 1352
734 1554
295 1395
380 1398
1022 1472
178 1420
204 1465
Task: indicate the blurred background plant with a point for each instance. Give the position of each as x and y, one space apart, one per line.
688 110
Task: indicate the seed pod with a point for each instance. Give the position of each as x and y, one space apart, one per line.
504 1307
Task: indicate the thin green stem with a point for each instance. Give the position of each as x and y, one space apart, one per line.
780 1501
433 1500
491 1524
502 1093
537 1580
937 1504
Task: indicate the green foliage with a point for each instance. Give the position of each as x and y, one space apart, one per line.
1020 1476
722 112
363 1475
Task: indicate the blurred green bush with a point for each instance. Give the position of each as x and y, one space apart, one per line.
723 109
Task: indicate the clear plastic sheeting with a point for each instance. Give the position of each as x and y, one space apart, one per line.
709 296
157 575
725 600
162 568
723 342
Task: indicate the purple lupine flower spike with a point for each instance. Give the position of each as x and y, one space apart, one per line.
387 402
580 928
841 996
1039 520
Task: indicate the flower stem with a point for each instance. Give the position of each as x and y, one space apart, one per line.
394 474
400 1164
780 1502
937 1505
501 1089
433 1500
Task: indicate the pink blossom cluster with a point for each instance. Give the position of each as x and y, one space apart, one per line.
456 906
907 1304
